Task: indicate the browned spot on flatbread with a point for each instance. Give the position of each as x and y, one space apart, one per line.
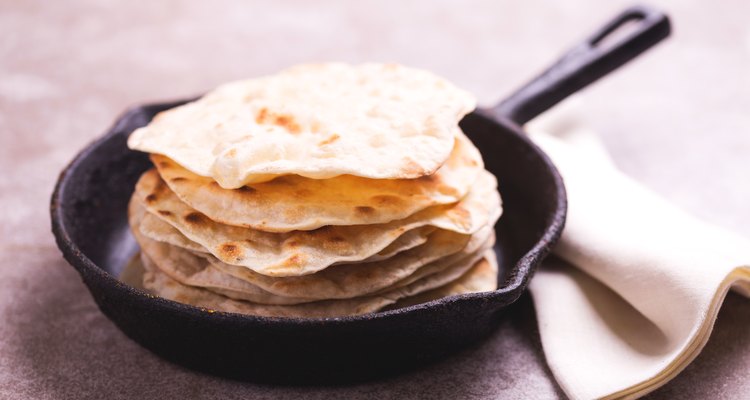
151 198
164 213
329 140
292 244
336 243
262 115
230 251
287 122
194 218
295 260
428 178
164 164
177 179
364 210
326 237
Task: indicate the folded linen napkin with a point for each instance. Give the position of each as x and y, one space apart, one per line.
634 288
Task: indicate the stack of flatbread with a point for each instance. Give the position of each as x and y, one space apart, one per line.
324 190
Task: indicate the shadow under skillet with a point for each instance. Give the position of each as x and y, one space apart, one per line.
66 348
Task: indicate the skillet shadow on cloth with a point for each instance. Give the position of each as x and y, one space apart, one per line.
617 314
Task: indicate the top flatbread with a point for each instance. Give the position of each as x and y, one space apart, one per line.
379 121
295 203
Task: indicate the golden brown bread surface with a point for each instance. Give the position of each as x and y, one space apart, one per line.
293 202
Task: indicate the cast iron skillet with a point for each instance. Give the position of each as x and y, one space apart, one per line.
89 222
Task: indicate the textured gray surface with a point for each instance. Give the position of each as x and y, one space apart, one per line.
677 120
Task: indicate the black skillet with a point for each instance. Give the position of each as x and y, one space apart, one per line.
89 222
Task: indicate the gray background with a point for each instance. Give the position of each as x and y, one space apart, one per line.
677 119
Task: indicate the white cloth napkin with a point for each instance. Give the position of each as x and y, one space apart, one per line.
632 293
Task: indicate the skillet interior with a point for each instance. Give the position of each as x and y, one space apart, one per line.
89 221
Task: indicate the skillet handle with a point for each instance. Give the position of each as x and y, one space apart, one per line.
585 63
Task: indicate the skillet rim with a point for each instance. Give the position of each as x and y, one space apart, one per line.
508 293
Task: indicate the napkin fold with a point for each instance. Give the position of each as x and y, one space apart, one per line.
632 292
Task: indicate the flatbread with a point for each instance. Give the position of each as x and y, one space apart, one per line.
340 281
379 121
191 269
305 252
164 286
352 280
296 203
482 278
154 228
408 240
195 270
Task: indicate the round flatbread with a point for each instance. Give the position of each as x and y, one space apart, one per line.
443 249
161 284
156 229
482 278
352 280
379 121
305 252
296 203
